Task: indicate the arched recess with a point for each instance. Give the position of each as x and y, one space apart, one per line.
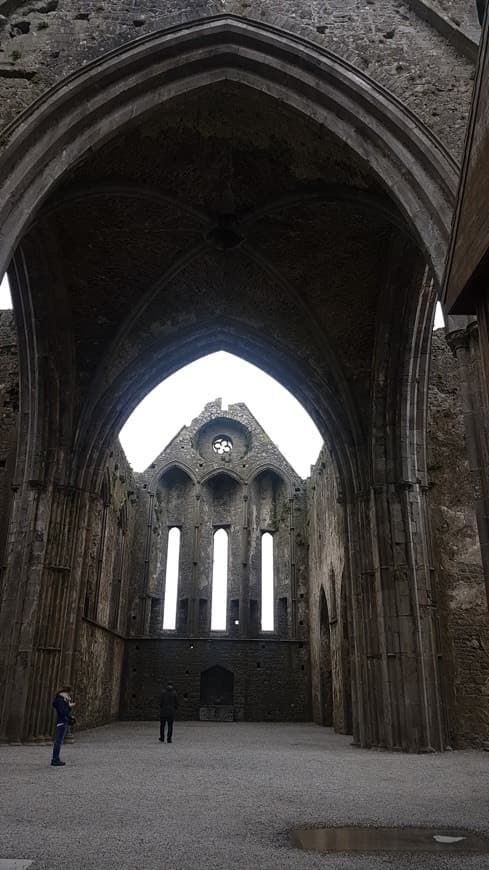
122 87
220 510
270 510
216 687
344 623
174 506
127 83
160 470
326 711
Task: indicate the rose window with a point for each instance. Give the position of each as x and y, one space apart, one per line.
222 445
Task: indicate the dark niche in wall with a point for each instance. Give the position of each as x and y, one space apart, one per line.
216 687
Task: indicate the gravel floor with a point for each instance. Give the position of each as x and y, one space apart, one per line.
225 796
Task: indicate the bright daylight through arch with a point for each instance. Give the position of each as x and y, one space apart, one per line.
267 585
5 296
181 397
219 580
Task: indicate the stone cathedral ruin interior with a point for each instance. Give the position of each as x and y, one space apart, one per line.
297 184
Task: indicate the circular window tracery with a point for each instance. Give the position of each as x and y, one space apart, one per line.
222 445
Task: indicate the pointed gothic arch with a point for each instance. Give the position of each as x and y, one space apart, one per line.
121 89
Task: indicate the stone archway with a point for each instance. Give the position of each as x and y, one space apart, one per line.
92 104
236 293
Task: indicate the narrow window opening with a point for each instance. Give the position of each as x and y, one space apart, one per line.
267 591
171 580
219 581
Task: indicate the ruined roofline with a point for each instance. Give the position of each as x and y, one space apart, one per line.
213 410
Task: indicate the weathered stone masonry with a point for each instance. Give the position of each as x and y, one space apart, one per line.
123 656
45 40
460 588
247 491
9 404
266 180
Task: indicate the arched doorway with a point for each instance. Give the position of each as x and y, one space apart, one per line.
325 665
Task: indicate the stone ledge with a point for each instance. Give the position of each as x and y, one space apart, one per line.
460 40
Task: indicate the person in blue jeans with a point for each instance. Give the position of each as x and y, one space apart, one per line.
62 704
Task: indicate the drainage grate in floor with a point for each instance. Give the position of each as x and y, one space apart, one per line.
389 840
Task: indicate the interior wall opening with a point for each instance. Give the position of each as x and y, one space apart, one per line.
181 397
219 581
171 580
326 668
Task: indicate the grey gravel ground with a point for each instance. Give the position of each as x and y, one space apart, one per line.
224 796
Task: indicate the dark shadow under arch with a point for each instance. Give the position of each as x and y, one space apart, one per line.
326 712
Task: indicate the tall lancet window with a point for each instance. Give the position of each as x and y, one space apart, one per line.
267 585
219 581
171 580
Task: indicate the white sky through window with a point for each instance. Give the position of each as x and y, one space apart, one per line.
181 397
439 321
171 579
5 297
219 581
267 585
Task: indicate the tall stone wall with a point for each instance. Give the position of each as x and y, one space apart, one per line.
271 677
326 535
461 589
99 674
464 620
9 412
103 615
247 491
394 43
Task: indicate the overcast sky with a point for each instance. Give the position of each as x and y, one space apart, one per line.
180 398
5 300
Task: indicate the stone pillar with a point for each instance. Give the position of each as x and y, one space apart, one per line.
293 578
244 602
397 689
145 597
359 576
194 616
40 607
466 348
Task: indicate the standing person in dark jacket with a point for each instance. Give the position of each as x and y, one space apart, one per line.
168 708
62 704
